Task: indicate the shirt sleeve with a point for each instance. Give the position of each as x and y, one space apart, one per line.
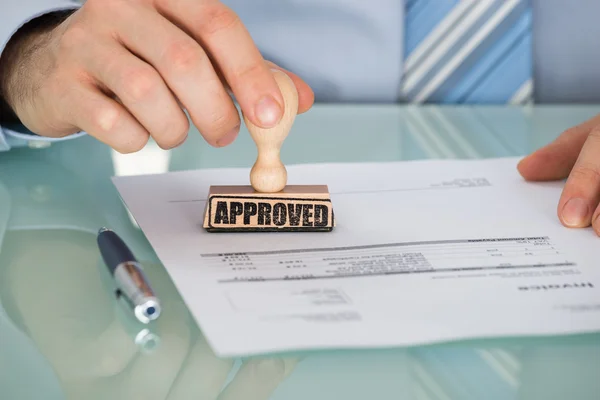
12 18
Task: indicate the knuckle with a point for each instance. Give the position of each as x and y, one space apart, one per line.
184 56
586 172
74 36
138 83
105 119
218 18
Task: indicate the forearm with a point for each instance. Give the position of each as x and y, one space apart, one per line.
20 50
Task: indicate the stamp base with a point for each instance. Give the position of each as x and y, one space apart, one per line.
297 208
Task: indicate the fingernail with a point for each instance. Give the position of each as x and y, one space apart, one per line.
575 212
229 137
268 111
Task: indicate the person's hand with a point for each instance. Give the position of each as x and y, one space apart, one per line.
125 70
574 155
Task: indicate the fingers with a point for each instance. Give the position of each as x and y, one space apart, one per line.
581 193
555 161
188 72
105 119
185 55
230 46
142 91
156 57
574 154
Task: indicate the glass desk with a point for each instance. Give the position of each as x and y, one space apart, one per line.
63 335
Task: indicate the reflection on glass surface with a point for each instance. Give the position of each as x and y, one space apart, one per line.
63 335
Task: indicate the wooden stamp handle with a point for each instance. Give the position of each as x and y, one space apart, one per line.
268 175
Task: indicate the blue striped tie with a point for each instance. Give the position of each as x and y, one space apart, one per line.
468 52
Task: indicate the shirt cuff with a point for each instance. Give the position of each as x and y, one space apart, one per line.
4 146
19 136
17 15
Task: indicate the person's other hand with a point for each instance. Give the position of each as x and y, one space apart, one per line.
126 70
574 155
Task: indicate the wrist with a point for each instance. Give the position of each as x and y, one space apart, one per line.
18 55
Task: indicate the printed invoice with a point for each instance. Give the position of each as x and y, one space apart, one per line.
423 251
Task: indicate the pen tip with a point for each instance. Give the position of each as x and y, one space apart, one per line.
103 229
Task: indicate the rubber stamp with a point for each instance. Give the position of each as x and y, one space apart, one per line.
269 204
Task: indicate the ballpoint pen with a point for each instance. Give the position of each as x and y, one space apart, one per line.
132 284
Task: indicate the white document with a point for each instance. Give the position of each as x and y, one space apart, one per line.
423 251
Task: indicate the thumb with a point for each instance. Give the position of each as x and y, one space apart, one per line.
555 160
